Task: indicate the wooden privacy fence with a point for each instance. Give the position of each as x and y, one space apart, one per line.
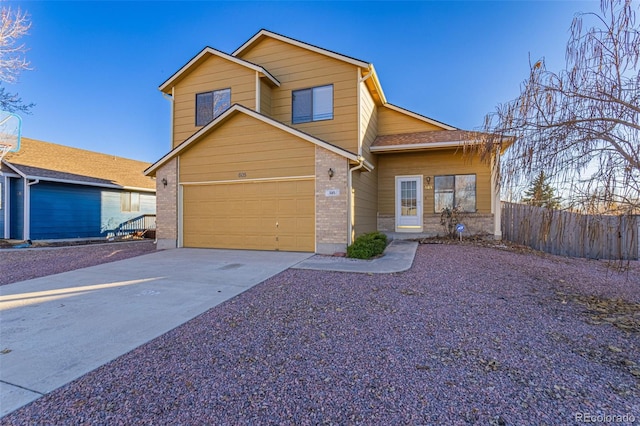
571 234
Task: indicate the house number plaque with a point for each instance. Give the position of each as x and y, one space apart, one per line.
332 192
242 174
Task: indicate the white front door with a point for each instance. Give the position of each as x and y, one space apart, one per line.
408 203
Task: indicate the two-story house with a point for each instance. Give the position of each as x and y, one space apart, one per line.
282 145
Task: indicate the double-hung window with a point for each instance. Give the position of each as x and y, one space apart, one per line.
314 104
209 105
455 191
129 202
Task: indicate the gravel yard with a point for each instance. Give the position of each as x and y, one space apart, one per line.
24 264
468 335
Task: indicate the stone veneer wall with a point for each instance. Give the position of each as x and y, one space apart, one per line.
475 224
166 206
331 211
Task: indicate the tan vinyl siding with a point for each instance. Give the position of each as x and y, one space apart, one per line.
368 121
265 98
245 145
431 163
365 184
213 74
392 122
298 68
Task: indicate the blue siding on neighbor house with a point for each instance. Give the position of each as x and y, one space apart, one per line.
112 216
2 206
60 210
16 209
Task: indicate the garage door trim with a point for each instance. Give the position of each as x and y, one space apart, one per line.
307 178
248 180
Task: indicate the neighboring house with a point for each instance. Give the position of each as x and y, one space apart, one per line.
282 145
50 191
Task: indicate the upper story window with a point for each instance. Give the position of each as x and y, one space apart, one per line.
209 105
455 191
312 104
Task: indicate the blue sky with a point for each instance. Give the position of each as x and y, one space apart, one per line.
97 65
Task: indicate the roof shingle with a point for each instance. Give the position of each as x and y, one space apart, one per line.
425 138
58 162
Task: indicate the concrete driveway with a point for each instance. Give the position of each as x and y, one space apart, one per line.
54 329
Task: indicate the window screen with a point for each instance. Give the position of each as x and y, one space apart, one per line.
452 191
209 105
313 104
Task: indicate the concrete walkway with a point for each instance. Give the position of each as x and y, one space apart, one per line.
398 257
57 328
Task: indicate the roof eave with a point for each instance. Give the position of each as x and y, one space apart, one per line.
166 86
23 175
421 146
377 85
237 108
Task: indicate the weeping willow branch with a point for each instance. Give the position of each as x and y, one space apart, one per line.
581 125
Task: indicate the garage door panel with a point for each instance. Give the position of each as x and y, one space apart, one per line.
244 215
305 207
268 207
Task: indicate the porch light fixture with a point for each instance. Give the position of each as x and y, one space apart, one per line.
164 182
428 183
330 172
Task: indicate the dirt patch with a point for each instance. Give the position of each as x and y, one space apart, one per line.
39 261
469 335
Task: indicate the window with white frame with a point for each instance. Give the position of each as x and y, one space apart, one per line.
209 105
314 104
455 191
129 202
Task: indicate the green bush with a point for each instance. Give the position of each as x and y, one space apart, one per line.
367 246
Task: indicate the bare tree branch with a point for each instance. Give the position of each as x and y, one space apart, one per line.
581 125
13 25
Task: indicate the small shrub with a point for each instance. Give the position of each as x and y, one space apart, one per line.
367 246
449 219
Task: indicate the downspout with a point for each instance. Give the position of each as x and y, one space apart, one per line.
258 94
350 210
350 201
179 207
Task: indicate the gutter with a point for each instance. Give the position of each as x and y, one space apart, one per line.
427 145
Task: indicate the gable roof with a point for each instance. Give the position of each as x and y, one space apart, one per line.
270 34
239 109
203 55
425 140
58 163
367 69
